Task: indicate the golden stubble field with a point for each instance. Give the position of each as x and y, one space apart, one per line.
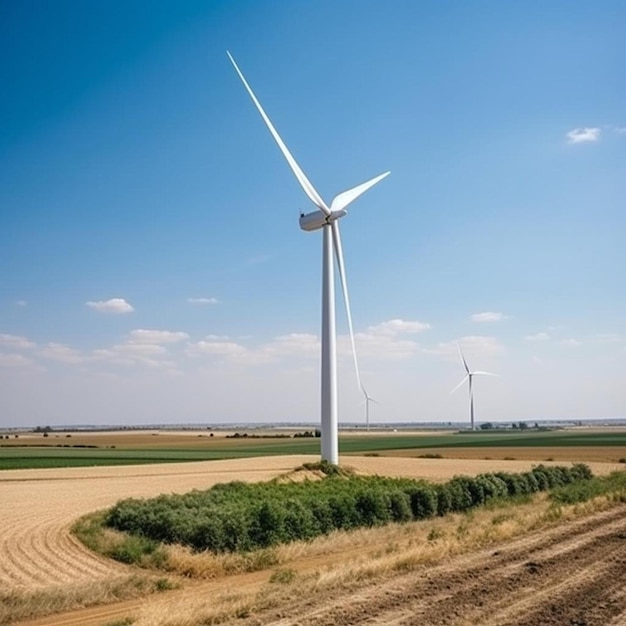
38 552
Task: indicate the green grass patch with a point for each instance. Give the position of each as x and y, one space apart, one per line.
124 547
613 484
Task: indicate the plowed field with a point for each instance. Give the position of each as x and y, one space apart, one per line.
573 575
38 552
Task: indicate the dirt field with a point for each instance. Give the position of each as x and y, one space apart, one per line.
38 552
573 575
569 454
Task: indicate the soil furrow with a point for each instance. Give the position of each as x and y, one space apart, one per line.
485 588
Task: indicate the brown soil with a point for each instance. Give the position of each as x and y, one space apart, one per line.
573 575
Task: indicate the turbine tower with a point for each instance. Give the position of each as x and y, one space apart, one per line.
469 376
325 218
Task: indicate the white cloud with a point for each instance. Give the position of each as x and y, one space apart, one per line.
472 345
398 326
141 336
111 354
202 300
14 360
610 338
380 346
537 337
114 305
217 347
386 340
487 316
136 353
61 352
583 135
139 350
21 303
298 344
16 342
573 343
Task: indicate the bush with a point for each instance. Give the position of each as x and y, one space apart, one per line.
460 495
444 500
373 508
400 506
241 517
267 525
424 501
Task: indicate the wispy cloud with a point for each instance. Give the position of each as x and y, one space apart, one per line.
202 300
572 343
114 305
217 346
15 342
148 347
610 338
21 303
472 345
14 360
487 316
398 326
583 135
136 353
388 340
141 336
62 353
537 337
294 344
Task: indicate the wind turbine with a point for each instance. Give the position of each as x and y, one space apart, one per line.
368 399
469 376
325 218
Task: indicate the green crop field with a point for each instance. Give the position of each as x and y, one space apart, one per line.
40 454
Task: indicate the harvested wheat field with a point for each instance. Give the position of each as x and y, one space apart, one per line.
38 553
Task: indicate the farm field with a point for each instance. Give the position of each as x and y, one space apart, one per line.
38 554
130 448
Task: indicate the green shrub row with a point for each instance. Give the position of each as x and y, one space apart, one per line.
241 516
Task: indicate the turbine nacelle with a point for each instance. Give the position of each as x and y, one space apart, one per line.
317 219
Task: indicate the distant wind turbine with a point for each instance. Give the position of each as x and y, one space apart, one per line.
368 399
327 219
469 376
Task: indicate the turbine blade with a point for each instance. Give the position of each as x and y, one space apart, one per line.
467 369
485 374
464 379
342 200
346 298
305 183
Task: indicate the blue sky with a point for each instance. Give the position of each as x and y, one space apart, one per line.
151 265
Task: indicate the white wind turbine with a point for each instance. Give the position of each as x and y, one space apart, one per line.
324 218
368 399
469 376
